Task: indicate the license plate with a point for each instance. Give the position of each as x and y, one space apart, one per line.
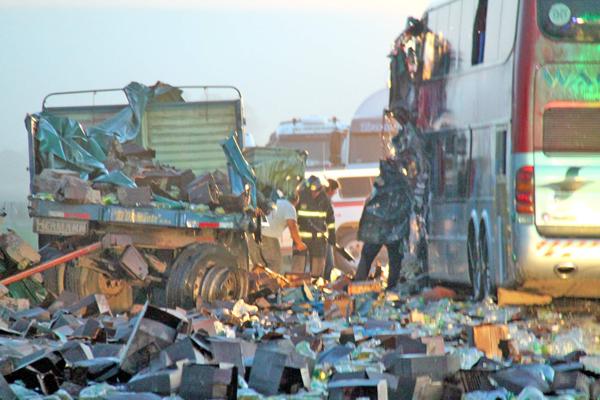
64 227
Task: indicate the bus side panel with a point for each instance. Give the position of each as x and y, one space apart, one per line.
470 161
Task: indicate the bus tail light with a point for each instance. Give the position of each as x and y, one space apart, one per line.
524 190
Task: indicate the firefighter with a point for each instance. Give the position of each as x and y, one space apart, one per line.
317 227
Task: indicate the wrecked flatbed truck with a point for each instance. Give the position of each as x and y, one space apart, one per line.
177 252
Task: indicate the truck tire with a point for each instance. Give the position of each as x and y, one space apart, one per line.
172 294
54 278
224 283
349 240
84 282
207 271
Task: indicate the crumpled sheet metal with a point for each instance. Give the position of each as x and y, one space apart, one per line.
85 151
276 169
386 214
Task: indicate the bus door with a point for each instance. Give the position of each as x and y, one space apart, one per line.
450 188
502 244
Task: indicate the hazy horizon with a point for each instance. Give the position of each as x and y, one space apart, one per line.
289 59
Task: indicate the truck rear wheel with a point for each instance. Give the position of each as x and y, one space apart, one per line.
54 278
207 271
84 282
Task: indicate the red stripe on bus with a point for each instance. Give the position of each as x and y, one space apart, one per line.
77 215
523 82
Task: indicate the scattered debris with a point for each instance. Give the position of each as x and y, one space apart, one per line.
508 297
487 337
293 337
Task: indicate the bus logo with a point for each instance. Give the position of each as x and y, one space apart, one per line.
565 188
560 14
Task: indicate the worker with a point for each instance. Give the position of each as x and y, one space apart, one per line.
282 215
317 227
332 188
386 217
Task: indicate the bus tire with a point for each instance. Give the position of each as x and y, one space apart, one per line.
484 264
84 282
474 261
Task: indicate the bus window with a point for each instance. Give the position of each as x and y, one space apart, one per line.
437 56
571 20
571 130
355 187
450 174
501 152
438 167
479 33
453 36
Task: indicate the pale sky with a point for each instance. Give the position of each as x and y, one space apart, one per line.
288 58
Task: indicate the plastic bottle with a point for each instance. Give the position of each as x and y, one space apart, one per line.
499 394
468 357
531 393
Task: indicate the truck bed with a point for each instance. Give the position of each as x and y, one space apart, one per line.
49 214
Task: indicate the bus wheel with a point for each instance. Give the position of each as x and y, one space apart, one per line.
84 282
474 265
486 279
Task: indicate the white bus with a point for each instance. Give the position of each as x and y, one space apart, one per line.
509 100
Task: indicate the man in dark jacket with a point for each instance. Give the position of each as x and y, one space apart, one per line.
316 222
386 219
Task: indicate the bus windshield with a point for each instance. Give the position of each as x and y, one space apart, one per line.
570 20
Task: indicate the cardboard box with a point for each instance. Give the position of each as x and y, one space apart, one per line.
362 287
508 297
487 337
339 307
